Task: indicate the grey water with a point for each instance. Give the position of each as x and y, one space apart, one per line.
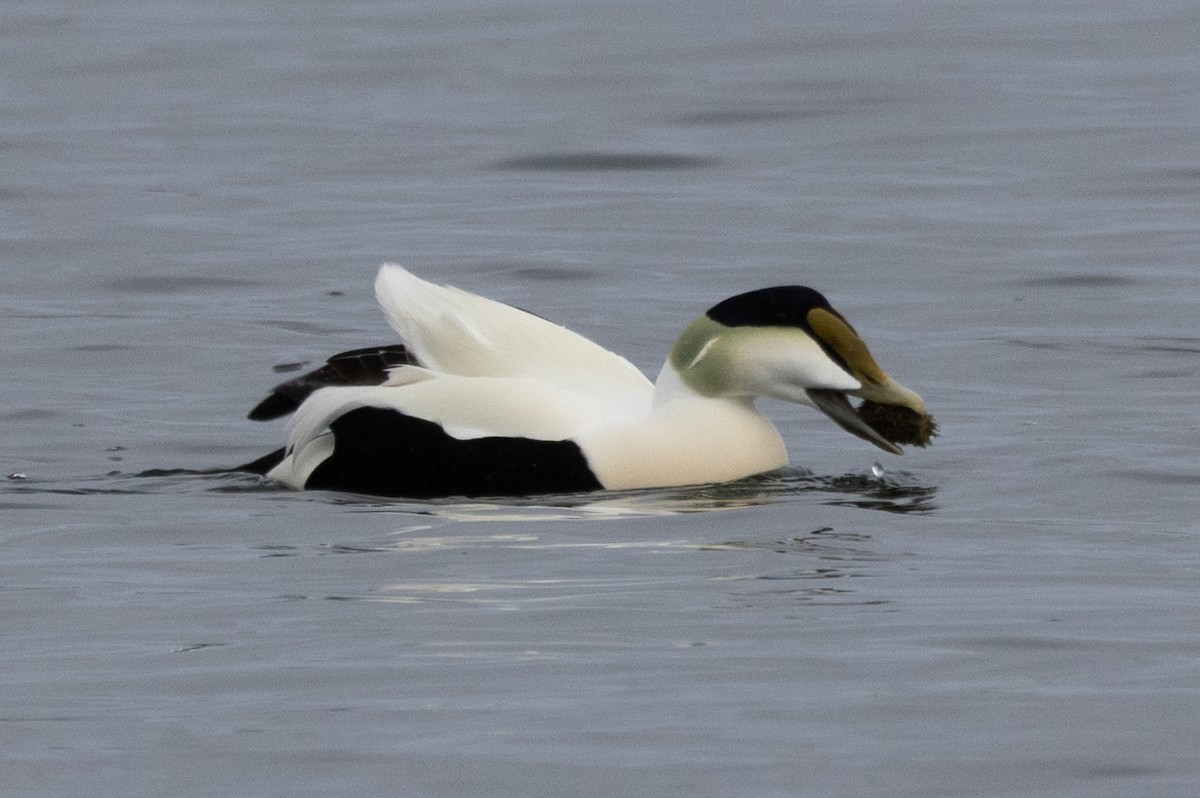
1004 198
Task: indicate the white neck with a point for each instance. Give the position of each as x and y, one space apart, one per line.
688 438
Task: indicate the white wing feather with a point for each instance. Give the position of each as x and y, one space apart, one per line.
456 332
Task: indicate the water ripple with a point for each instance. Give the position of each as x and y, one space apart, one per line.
893 492
601 162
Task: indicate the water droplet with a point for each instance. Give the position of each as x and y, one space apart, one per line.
877 470
17 476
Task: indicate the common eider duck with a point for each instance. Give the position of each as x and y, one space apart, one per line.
485 399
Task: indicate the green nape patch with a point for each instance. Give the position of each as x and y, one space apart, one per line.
900 425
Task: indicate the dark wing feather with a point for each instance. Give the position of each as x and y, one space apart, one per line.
357 367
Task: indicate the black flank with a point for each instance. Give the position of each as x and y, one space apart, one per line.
383 452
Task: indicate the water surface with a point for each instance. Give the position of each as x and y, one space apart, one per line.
1001 197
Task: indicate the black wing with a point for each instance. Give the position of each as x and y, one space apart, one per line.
357 367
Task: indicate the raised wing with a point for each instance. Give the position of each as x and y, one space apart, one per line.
456 332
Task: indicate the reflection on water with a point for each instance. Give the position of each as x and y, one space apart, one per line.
510 595
897 492
882 493
894 492
825 543
825 556
819 567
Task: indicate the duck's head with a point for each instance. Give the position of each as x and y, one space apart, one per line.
789 343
